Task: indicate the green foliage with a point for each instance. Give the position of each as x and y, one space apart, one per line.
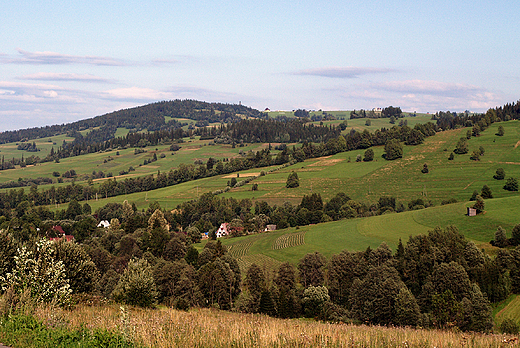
500 174
509 326
374 298
79 268
369 155
486 192
500 237
393 149
511 184
475 155
136 286
25 331
314 297
479 204
40 274
311 269
292 180
500 131
462 146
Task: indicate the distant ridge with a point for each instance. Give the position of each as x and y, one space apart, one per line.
150 117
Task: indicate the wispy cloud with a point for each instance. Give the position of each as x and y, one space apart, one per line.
421 95
163 62
135 93
47 58
44 76
341 72
429 87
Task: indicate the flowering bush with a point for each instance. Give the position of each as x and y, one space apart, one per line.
40 274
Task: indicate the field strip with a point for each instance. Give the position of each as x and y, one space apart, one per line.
240 249
261 260
289 240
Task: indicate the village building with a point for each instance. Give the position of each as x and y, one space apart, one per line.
222 230
104 224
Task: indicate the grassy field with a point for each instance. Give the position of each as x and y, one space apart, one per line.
272 248
115 161
211 328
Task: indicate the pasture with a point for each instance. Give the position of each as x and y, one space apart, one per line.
269 249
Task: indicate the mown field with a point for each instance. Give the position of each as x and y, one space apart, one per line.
272 248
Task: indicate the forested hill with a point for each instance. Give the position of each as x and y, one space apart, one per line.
150 117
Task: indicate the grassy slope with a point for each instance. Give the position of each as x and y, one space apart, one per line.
357 234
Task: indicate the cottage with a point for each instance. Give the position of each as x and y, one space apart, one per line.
222 230
471 212
104 224
66 237
269 228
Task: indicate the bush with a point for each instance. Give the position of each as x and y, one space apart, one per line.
500 174
511 184
369 155
292 180
509 326
475 155
136 286
40 274
314 297
425 169
393 149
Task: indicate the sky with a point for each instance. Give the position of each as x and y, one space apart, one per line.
62 61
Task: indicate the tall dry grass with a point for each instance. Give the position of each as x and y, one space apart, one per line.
213 328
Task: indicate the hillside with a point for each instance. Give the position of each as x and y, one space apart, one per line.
149 117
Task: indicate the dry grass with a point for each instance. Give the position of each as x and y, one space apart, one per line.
213 328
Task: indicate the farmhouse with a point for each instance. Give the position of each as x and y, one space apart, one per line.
472 212
104 224
269 228
222 230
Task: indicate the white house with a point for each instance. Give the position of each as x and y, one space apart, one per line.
104 224
222 230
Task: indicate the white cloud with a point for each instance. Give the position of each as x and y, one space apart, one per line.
135 93
45 76
45 58
341 72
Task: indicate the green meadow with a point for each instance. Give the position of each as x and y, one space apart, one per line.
272 248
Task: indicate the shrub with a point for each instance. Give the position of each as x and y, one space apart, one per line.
369 155
393 149
39 274
136 286
500 174
425 169
509 326
462 146
475 155
314 297
511 184
292 180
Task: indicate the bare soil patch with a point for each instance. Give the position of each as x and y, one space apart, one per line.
242 175
326 162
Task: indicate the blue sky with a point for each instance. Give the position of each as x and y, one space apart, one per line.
62 61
